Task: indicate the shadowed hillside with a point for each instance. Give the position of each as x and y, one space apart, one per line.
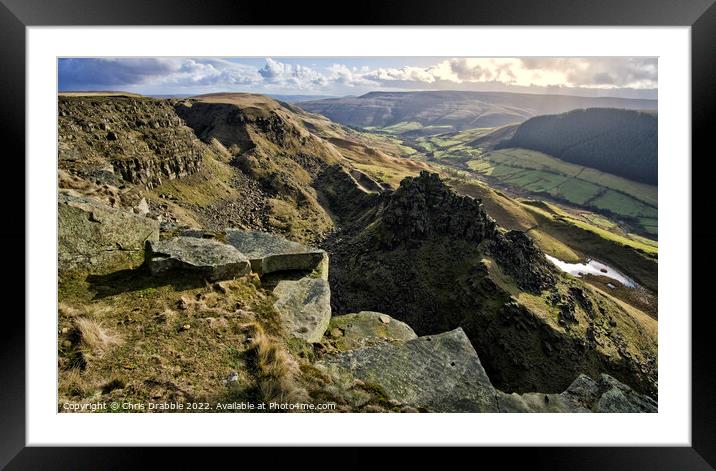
620 142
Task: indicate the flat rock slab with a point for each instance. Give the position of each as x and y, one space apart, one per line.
304 306
366 328
271 253
211 258
441 373
606 394
94 235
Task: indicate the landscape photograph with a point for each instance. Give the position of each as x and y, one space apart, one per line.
357 234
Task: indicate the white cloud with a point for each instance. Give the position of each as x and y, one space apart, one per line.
351 77
411 74
192 74
543 72
295 75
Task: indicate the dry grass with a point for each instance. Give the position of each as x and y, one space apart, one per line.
65 310
72 384
95 339
177 344
107 194
276 371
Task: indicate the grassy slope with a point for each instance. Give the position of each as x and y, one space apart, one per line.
563 236
380 156
131 337
541 175
163 352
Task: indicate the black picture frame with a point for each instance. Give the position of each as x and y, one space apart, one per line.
700 15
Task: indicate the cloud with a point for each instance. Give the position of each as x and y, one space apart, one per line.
202 74
351 77
111 72
296 75
613 72
411 74
600 72
210 72
176 72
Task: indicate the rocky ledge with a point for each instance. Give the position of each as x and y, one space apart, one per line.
606 395
210 258
443 373
135 139
271 253
440 373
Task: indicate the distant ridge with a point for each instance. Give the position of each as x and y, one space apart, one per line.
98 93
457 110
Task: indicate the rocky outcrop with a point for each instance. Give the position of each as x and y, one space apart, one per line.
304 306
423 208
443 373
270 253
209 258
533 329
520 258
440 373
366 328
133 139
606 394
92 235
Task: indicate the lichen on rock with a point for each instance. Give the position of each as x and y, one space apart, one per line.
270 253
92 235
366 328
304 306
440 373
207 257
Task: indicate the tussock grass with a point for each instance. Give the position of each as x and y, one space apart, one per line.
65 310
276 371
72 384
95 339
132 346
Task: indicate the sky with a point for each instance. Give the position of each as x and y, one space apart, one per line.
627 77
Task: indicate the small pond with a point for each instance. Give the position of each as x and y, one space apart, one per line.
592 267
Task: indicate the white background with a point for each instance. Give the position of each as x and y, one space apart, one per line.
671 426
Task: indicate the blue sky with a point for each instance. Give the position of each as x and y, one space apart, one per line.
634 77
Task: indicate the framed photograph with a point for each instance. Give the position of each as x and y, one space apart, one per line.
435 225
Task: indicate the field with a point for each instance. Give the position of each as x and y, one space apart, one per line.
537 174
609 203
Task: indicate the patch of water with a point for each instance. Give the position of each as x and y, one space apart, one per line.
592 267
